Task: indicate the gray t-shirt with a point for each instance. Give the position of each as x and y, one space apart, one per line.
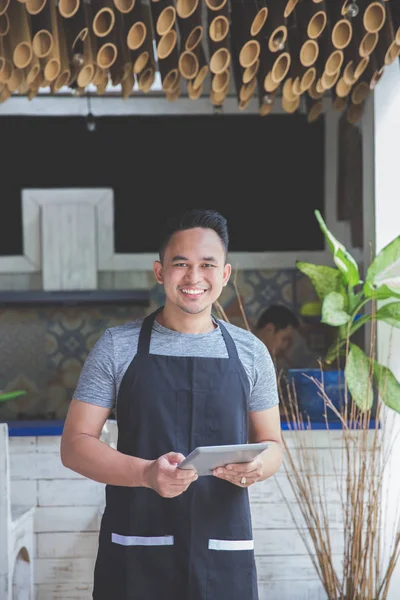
109 359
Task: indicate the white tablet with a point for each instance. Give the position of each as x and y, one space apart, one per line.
205 459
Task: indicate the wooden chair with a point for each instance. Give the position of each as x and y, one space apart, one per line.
16 535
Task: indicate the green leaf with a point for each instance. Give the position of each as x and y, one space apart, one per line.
324 279
389 387
311 309
390 313
333 310
11 395
358 378
389 289
383 275
342 258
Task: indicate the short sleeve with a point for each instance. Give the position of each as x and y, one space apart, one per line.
96 384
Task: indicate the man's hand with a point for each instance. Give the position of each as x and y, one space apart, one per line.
242 474
163 476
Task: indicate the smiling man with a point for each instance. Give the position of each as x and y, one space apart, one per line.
178 379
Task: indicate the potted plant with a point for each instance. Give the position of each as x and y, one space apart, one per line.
343 297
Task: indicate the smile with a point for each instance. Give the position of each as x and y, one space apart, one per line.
190 292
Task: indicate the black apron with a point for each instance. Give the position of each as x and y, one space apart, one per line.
197 546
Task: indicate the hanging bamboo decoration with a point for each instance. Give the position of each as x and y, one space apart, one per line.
20 35
373 15
42 39
340 26
103 26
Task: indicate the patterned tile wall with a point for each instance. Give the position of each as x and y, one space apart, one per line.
42 350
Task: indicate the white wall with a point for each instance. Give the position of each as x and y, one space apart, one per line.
387 227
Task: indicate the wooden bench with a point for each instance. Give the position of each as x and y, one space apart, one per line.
16 535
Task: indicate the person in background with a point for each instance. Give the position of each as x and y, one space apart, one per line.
276 327
178 379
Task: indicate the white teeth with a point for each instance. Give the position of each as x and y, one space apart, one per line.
197 292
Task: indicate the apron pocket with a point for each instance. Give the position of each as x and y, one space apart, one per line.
150 566
230 570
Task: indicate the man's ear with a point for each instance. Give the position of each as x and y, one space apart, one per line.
227 273
158 271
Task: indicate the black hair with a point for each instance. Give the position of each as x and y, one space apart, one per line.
188 219
280 316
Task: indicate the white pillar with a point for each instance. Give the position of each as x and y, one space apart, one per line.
387 227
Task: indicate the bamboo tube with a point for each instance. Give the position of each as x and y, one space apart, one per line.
146 80
368 43
34 7
315 111
329 81
201 76
188 17
127 85
311 19
250 72
20 35
4 25
340 26
217 99
287 90
220 61
339 104
106 55
290 106
163 17
167 53
314 93
289 8
265 103
393 12
32 70
174 95
259 17
103 22
374 15
188 64
220 82
79 20
53 62
4 95
248 48
3 6
40 20
308 79
385 40
6 66
15 80
309 53
360 92
194 93
275 29
342 88
354 112
280 67
196 46
330 58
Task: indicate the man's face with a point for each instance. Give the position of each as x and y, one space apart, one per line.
278 341
193 272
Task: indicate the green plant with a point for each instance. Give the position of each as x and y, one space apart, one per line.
343 297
